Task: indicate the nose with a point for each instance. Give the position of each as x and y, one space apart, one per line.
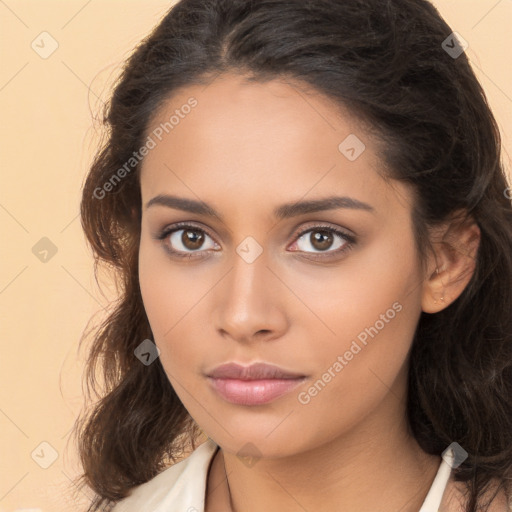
249 302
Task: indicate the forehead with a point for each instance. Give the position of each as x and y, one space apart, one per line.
258 140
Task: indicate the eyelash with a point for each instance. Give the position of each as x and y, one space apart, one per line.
349 239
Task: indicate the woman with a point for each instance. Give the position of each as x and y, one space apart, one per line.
306 210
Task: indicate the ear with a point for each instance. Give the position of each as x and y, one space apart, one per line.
451 263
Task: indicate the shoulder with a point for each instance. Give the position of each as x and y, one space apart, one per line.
455 498
178 487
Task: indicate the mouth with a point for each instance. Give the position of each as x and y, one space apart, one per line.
257 384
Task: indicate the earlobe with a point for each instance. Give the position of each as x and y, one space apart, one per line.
433 299
451 265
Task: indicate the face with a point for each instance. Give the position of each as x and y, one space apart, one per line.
328 291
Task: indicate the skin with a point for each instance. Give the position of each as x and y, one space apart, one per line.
245 149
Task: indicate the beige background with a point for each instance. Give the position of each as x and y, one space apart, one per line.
47 141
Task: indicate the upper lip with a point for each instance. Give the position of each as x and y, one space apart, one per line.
252 372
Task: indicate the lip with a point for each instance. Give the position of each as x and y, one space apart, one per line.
252 372
256 384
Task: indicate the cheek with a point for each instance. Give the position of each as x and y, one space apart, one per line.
374 323
371 306
165 288
172 298
351 297
153 285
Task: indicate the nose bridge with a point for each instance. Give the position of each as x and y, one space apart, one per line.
245 293
249 302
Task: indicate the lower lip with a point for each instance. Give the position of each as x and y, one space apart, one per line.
253 392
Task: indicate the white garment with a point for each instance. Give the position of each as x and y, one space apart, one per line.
182 487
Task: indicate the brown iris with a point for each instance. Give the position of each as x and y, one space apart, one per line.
192 239
321 240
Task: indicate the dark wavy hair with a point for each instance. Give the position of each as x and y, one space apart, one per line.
384 61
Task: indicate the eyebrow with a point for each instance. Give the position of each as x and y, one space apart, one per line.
283 211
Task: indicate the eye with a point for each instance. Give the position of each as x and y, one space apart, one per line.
324 239
183 240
